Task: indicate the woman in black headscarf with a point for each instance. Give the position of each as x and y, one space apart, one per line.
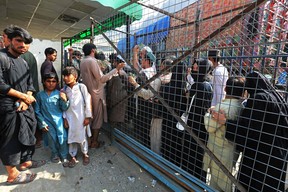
173 93
261 134
192 159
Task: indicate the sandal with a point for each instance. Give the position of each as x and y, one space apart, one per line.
35 164
65 163
22 178
72 162
55 159
86 159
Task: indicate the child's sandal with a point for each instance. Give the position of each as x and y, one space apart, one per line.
72 162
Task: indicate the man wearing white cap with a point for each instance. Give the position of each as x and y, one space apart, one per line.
145 96
220 77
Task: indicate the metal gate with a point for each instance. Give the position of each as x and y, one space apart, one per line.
248 36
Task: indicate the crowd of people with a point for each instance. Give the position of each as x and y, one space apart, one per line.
228 114
256 121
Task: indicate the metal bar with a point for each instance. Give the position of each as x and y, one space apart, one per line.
62 60
193 22
263 60
276 65
127 33
241 60
160 164
196 29
163 11
92 32
99 23
128 37
127 4
36 8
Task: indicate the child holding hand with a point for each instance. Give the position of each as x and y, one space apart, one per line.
77 117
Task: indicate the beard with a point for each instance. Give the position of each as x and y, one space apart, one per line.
19 50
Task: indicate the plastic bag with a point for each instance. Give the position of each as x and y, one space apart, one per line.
184 117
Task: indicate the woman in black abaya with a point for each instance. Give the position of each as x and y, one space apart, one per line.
202 89
261 134
173 93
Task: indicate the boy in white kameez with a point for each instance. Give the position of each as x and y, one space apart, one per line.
77 117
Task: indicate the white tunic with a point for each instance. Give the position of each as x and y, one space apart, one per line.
220 77
77 112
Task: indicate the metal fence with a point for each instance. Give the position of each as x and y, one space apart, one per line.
249 152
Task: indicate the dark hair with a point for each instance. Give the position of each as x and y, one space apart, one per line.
147 57
215 54
50 76
100 55
283 65
49 51
8 29
112 57
13 31
168 63
76 53
70 70
215 58
235 86
87 48
115 58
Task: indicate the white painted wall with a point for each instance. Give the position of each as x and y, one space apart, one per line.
38 47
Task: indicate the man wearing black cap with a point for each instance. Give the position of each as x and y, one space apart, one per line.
220 76
17 119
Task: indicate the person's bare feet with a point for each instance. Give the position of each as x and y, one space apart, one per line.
25 165
31 164
13 172
22 178
13 176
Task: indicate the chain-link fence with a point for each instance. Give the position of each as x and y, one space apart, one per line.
191 61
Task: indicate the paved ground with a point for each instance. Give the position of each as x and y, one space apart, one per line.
109 171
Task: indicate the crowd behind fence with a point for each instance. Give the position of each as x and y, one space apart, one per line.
240 142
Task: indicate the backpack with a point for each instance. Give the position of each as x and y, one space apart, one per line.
65 87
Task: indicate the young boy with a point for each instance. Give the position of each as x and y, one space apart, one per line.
49 111
77 117
223 149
